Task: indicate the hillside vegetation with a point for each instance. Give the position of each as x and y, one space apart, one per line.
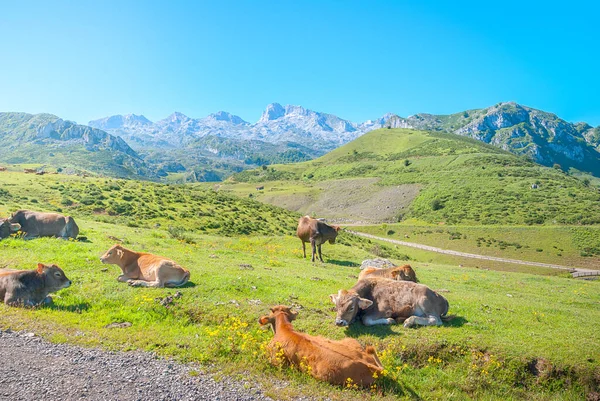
46 139
462 180
539 135
515 336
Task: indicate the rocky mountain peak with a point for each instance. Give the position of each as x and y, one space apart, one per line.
272 112
226 117
177 117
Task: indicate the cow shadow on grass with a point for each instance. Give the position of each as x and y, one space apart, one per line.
383 330
74 308
457 321
358 329
347 263
189 284
399 389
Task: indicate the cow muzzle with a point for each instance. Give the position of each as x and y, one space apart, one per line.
341 322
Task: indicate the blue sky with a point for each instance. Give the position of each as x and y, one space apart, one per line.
83 60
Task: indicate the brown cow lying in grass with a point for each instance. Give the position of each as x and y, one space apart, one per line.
317 233
31 287
337 362
144 269
40 224
400 273
382 301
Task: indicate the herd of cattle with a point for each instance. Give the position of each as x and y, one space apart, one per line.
380 296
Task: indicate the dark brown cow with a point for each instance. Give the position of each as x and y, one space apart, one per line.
383 301
337 362
317 233
40 224
6 228
31 287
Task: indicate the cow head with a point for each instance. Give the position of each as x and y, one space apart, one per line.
332 239
347 305
6 228
54 277
113 255
275 311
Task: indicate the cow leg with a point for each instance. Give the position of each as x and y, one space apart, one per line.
304 249
320 254
123 278
369 321
429 320
142 283
314 249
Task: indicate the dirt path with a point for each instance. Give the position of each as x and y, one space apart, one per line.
575 271
34 369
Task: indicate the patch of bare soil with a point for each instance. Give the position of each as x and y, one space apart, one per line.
357 200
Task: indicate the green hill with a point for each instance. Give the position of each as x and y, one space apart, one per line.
45 139
460 181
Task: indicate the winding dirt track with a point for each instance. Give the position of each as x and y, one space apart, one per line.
575 271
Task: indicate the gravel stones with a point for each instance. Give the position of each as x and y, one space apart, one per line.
34 369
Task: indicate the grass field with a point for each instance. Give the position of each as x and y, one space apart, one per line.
516 335
461 180
572 246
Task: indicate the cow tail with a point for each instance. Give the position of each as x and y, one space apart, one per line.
444 316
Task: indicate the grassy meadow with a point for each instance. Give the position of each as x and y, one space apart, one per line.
571 246
460 181
515 335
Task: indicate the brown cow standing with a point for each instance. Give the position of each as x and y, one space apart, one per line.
317 233
337 362
404 272
144 269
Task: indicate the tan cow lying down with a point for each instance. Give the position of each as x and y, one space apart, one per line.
316 232
382 301
400 273
144 269
337 362
31 287
40 224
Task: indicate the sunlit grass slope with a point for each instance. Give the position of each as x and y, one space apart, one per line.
515 336
463 181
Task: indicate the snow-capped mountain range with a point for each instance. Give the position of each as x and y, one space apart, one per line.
278 124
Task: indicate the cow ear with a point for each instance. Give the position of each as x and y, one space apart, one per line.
293 315
263 320
119 252
40 268
395 273
364 303
333 298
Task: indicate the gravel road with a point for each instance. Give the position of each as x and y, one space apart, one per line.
34 369
575 271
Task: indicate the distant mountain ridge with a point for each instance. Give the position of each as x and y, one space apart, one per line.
221 143
46 138
278 124
542 136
